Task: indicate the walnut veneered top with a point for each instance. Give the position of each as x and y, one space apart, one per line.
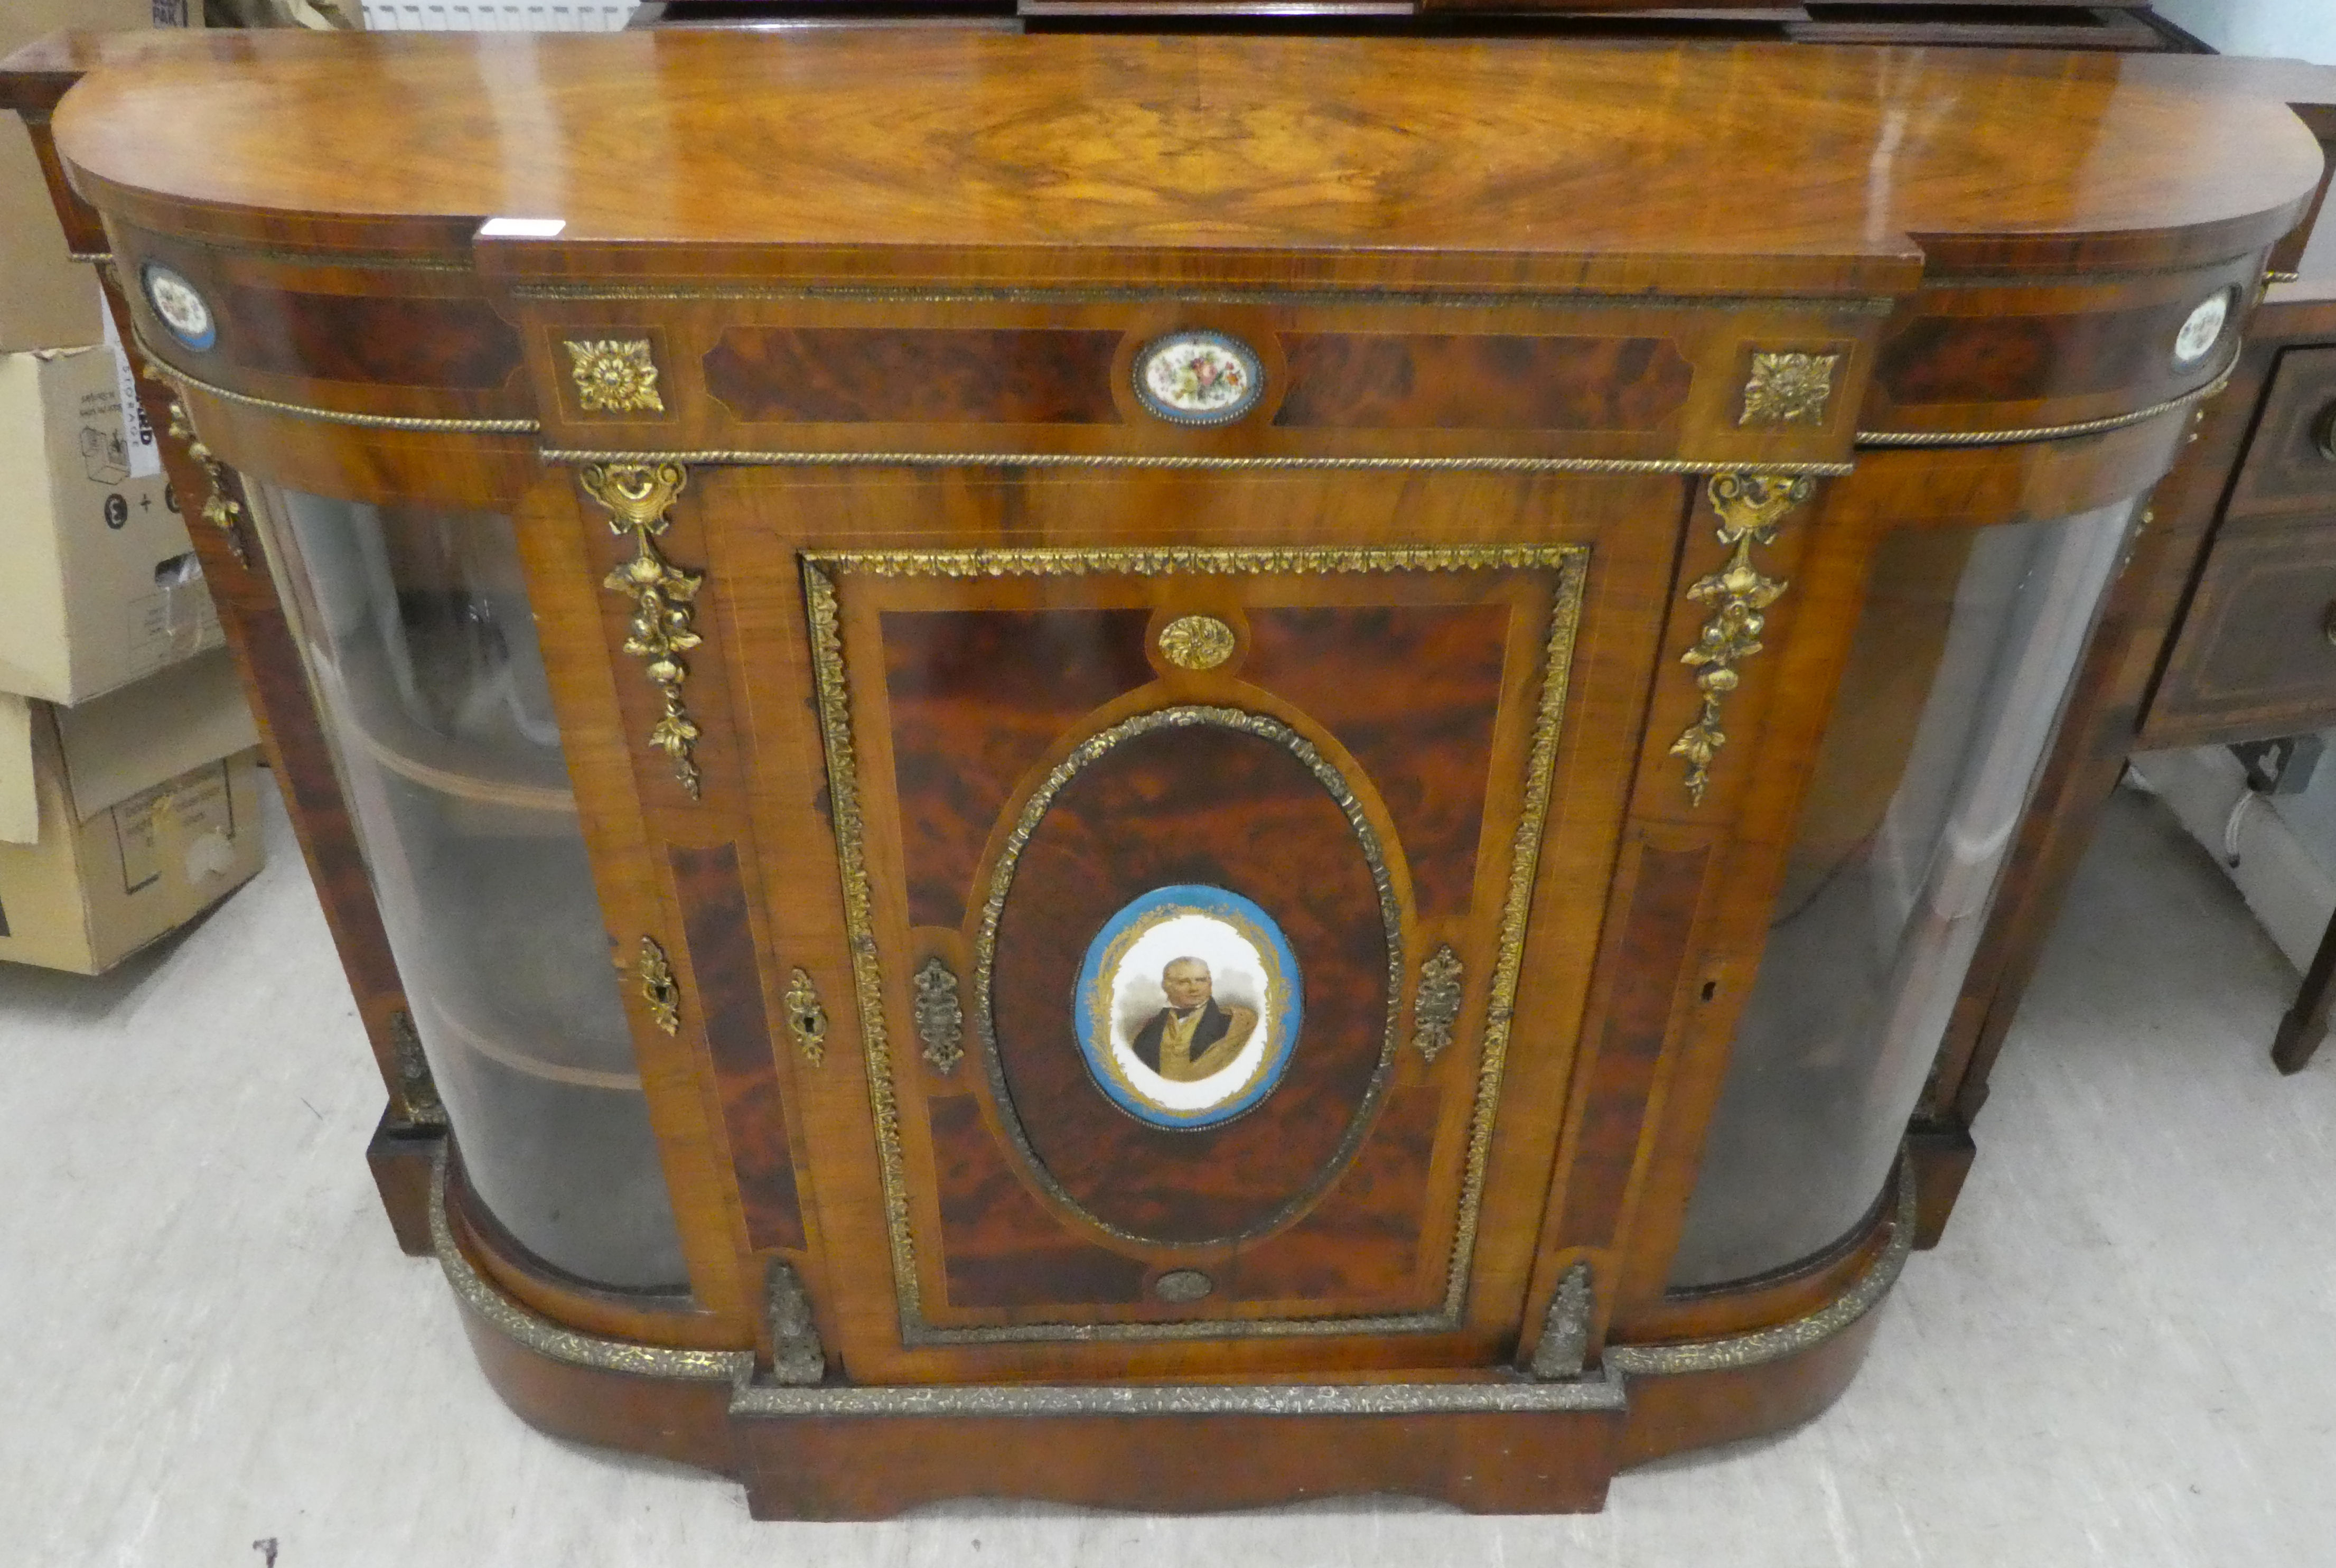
972 155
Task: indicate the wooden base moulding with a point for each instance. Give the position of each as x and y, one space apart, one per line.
837 1451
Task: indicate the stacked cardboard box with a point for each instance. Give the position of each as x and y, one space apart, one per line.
128 761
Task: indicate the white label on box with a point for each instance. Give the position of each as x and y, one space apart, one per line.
144 457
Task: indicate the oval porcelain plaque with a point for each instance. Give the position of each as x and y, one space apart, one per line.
1188 1006
2202 330
1198 378
179 306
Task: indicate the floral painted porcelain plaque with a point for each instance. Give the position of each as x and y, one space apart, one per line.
181 309
1198 377
2202 330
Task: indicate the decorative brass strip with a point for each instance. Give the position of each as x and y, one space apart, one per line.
1604 1393
1765 1345
548 1339
1751 507
1142 294
806 1019
93 258
751 1398
1563 1348
659 990
639 497
775 459
1436 1005
940 1019
1882 438
1570 564
185 382
1001 882
859 926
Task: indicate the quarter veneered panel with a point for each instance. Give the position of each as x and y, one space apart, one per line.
1413 691
1363 1241
978 697
1198 804
852 374
1005 1250
1957 359
1488 382
460 345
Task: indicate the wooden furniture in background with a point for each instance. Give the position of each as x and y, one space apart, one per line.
2117 25
2171 664
1586 598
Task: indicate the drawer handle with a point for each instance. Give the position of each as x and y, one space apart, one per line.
2323 432
2327 623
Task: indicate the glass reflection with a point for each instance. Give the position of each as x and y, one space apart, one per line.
1967 643
420 644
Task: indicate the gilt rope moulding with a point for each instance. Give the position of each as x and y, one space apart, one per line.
1053 774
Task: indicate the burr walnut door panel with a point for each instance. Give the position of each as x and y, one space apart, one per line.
1191 894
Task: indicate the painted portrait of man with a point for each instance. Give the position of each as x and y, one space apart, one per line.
1194 1037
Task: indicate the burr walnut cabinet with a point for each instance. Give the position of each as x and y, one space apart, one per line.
1163 771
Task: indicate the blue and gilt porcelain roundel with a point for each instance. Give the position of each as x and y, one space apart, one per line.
179 305
1188 1006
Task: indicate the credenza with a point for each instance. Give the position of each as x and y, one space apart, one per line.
1169 771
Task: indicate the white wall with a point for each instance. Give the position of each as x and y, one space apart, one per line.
2301 29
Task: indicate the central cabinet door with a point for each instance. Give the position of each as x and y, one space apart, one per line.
1189 888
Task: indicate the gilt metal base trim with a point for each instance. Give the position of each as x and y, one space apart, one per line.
751 1398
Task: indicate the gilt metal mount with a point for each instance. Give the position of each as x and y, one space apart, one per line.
1436 1006
659 990
941 1017
1750 506
638 496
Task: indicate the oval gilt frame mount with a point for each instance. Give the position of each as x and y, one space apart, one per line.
1085 754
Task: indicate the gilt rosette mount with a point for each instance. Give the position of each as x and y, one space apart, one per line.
1788 389
615 375
1751 507
639 497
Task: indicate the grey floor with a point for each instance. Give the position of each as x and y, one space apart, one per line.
2125 1353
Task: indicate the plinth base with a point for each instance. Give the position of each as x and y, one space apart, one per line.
1501 1443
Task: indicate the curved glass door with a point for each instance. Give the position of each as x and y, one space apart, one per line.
1961 665
422 655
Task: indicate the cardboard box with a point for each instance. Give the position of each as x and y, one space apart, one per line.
102 587
125 818
47 299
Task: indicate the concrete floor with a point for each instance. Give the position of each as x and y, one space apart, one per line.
2125 1353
